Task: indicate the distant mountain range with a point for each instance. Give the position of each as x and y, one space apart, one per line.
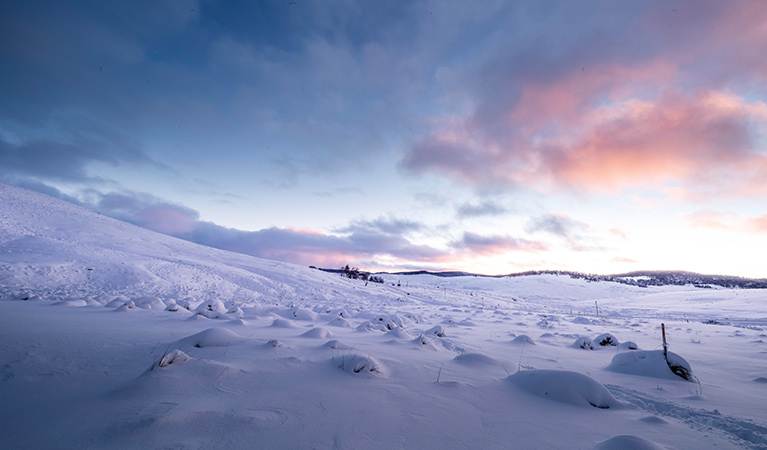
642 278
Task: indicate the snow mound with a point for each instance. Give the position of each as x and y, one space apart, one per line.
175 356
126 306
583 342
75 303
189 303
582 321
197 317
438 331
605 340
523 339
299 313
152 303
213 337
337 345
318 333
284 323
340 322
654 420
761 380
117 302
399 333
548 322
172 306
388 323
274 343
628 345
212 309
649 363
235 313
566 387
361 365
424 341
238 322
476 360
628 442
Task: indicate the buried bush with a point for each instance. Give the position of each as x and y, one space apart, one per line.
171 357
357 364
605 340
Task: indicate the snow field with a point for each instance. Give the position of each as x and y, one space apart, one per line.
115 337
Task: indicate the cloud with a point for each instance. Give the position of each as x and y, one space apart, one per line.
731 222
260 81
632 103
624 260
698 141
311 247
577 234
710 219
382 237
386 225
283 244
146 211
758 224
486 208
708 143
381 242
478 245
67 155
556 224
618 233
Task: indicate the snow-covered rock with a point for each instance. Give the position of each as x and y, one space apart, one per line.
566 387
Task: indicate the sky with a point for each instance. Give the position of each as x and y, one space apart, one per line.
491 137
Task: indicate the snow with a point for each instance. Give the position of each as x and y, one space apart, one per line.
116 337
628 442
566 387
648 364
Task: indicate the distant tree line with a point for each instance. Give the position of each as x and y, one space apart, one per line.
639 278
661 278
355 273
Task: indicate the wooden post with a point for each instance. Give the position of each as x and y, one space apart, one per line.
665 344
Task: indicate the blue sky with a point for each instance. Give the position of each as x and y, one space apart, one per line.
490 137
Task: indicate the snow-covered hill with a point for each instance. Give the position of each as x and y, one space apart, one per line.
118 337
56 250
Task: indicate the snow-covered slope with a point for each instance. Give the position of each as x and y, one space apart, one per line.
57 250
132 339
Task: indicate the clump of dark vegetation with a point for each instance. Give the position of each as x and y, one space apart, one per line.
354 273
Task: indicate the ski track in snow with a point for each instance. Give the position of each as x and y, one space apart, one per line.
744 432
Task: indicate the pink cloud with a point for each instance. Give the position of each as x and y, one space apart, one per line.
706 142
674 112
728 221
623 260
564 101
710 219
698 141
758 224
305 230
618 232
